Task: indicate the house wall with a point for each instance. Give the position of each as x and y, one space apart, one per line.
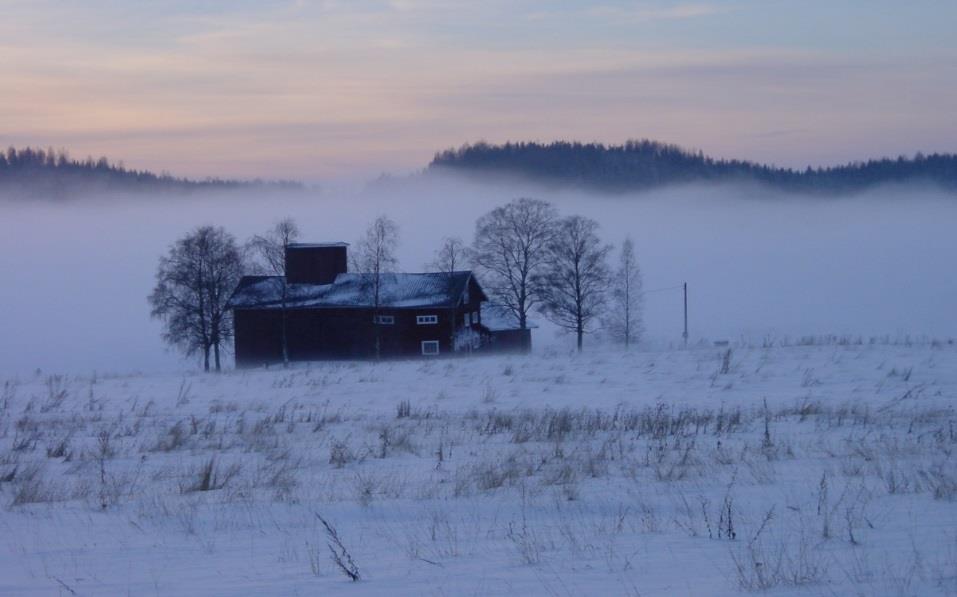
257 336
328 333
346 333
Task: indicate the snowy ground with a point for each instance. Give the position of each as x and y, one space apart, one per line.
825 468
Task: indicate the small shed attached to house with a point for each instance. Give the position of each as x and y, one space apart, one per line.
504 333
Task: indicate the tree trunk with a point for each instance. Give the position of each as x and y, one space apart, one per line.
216 353
376 328
206 358
579 322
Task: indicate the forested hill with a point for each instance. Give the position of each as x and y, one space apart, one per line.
32 172
638 165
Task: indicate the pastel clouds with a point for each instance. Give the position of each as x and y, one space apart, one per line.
315 90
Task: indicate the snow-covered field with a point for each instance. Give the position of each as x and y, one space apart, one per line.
818 468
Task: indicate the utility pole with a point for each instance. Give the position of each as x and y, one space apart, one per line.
685 334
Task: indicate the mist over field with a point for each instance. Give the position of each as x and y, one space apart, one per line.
76 274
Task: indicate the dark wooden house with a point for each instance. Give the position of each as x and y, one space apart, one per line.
331 314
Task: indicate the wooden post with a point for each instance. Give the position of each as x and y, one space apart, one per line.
685 334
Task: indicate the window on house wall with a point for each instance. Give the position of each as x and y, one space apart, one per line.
384 319
430 347
426 319
468 319
475 318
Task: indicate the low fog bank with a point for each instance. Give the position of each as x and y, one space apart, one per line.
76 275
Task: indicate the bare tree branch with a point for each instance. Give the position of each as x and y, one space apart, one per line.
269 251
193 283
624 319
576 276
373 258
509 248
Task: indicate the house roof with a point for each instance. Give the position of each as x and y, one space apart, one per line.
397 291
316 245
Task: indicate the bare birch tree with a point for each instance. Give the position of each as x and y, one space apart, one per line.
624 318
576 276
193 283
448 259
373 258
510 249
269 250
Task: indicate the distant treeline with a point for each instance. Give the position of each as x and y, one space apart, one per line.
647 164
49 173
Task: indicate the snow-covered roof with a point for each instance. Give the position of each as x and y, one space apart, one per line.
316 245
397 291
498 318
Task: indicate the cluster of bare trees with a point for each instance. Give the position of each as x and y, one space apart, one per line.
529 259
197 276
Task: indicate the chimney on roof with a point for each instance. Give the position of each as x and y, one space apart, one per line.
315 263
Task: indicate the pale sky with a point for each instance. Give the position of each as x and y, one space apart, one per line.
319 90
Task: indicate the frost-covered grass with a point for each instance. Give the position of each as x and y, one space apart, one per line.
815 469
